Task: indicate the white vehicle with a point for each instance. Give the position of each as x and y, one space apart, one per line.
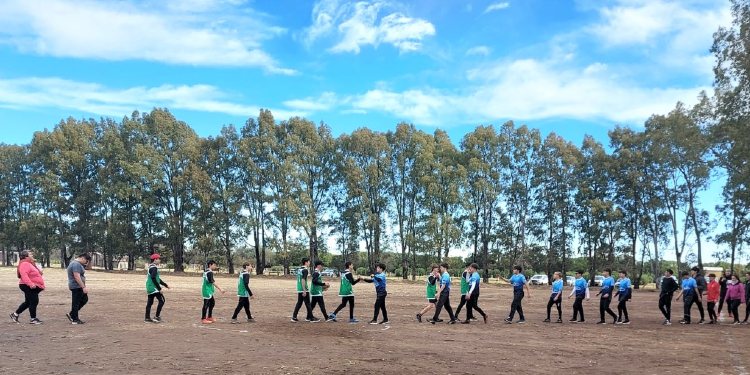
539 280
570 280
598 280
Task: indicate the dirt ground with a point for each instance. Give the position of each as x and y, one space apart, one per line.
116 340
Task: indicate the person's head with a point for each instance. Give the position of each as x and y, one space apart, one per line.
318 265
305 262
695 270
246 266
27 255
735 279
473 267
668 273
517 269
711 277
155 258
211 265
443 267
607 272
380 267
728 273
579 274
623 273
84 258
348 265
434 269
685 274
468 268
557 275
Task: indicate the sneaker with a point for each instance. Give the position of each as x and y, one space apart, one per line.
331 319
212 319
485 318
419 318
234 321
618 322
439 320
466 322
313 320
157 319
711 322
581 321
431 321
206 321
546 320
148 320
14 317
625 322
77 322
250 320
573 320
353 320
702 321
474 319
373 322
294 320
667 323
508 321
736 322
385 322
602 322
35 321
744 322
452 321
684 322
522 321
559 321
69 318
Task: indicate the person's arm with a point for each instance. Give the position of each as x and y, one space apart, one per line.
587 292
472 285
559 294
351 278
528 291
678 295
23 270
152 275
79 280
698 293
246 283
572 291
316 279
211 280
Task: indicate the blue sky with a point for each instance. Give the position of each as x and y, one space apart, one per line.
572 67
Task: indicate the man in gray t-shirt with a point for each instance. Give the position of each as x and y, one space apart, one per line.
77 285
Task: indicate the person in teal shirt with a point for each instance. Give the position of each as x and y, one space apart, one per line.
244 294
207 291
444 296
608 286
518 280
555 299
623 292
581 291
689 294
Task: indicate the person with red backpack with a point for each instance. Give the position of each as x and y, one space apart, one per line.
31 283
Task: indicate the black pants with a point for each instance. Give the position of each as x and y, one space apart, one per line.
747 310
344 301
444 301
554 301
380 306
712 311
734 307
461 304
665 305
688 304
722 296
159 297
622 309
578 308
318 300
300 301
471 305
30 300
243 303
699 303
604 308
208 308
78 300
516 306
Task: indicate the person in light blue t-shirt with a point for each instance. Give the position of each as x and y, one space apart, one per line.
581 291
556 297
518 280
689 293
624 292
608 286
444 296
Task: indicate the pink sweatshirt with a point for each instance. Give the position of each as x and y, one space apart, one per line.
736 292
30 275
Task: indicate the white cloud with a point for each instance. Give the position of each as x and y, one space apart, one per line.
479 51
324 102
45 92
497 6
198 32
354 25
529 89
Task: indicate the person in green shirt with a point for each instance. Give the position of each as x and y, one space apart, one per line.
464 290
302 296
432 281
316 290
244 294
153 289
346 292
207 291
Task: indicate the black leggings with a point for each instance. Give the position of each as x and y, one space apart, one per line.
380 306
30 300
516 306
665 305
622 309
578 308
318 300
734 307
747 310
302 300
712 311
552 302
722 296
344 301
604 308
471 305
461 305
701 311
208 307
78 300
159 297
243 303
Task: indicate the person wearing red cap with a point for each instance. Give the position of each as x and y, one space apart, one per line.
153 289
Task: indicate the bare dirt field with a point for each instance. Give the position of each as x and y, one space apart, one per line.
116 340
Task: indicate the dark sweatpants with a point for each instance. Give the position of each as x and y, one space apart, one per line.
380 307
688 303
516 306
578 308
444 301
604 308
665 305
552 302
243 303
30 300
159 297
208 308
78 300
471 305
344 301
300 300
318 300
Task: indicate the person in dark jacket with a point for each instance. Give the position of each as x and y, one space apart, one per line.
723 291
667 289
747 297
696 274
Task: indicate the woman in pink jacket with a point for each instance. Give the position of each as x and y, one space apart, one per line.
31 283
735 296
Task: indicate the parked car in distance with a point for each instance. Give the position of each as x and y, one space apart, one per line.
570 280
330 272
293 271
598 280
539 280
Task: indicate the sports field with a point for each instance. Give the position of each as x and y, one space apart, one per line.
116 340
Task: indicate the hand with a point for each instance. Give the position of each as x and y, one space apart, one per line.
468 297
304 294
587 298
359 278
569 297
33 286
677 299
167 287
223 291
85 290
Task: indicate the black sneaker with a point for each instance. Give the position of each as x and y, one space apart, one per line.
35 321
581 321
702 321
312 320
385 322
294 320
625 322
419 318
14 317
601 322
546 320
69 318
474 319
373 322
78 322
684 322
559 321
157 319
148 320
508 321
252 320
439 320
431 321
522 321
452 321
573 320
467 321
485 318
